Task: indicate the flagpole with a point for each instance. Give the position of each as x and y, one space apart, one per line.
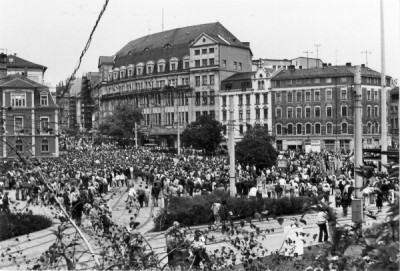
383 93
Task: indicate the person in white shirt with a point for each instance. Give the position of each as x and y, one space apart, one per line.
323 230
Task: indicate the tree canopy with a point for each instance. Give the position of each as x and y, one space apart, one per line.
203 134
256 148
121 122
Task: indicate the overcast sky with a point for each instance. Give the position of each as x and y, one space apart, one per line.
54 32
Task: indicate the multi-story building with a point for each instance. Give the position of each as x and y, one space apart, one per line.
175 76
313 108
29 115
251 94
298 63
394 116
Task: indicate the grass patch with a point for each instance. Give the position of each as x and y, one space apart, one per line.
13 225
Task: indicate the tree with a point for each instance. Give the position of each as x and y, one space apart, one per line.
121 122
203 134
255 148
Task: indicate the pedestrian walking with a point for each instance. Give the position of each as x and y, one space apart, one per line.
322 224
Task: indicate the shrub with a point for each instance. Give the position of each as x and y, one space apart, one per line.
197 210
13 225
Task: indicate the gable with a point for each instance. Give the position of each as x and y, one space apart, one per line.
203 39
17 83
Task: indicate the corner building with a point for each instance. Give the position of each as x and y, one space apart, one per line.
175 76
313 108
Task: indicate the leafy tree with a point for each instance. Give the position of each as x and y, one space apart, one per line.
256 148
203 134
121 122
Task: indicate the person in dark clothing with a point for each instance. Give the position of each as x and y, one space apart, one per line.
345 203
379 201
155 192
190 186
239 188
278 190
341 187
223 211
245 188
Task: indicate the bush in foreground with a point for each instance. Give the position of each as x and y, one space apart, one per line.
197 210
13 225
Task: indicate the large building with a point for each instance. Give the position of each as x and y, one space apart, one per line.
313 108
29 115
175 76
298 63
394 116
251 96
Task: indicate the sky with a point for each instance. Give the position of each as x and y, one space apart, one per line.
54 32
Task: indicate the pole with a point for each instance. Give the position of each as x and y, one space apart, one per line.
179 138
136 135
232 177
383 94
357 214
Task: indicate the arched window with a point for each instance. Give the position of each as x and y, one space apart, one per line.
45 145
377 127
161 65
18 145
139 68
290 129
299 129
344 128
329 128
149 67
173 64
308 128
369 128
278 129
317 129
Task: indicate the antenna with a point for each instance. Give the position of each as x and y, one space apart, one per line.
336 57
307 52
149 28
366 52
316 47
162 19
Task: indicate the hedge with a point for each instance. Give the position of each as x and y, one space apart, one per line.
13 225
197 210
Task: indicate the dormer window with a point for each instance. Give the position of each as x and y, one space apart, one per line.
130 72
122 74
115 75
173 64
139 68
161 65
44 99
186 60
109 76
149 67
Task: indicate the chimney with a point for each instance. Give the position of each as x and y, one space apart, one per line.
362 65
3 65
26 72
246 43
329 64
348 64
291 67
324 65
300 67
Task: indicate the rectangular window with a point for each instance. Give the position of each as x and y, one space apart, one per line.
376 97
298 95
247 99
197 80
329 111
278 97
212 97
204 77
376 111
235 65
203 51
369 111
224 115
212 114
298 112
328 80
289 82
343 79
265 97
248 114
197 101
290 97
317 97
211 61
344 111
240 114
308 96
198 114
308 112
211 50
45 145
343 93
329 95
278 113
161 68
257 99
186 65
173 66
204 98
317 81
240 100
241 129
224 101
317 111
265 113
290 113
224 64
197 63
204 62
240 66
44 100
18 100
197 52
18 125
257 114
369 95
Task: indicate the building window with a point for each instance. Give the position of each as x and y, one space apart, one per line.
204 63
299 129
265 113
223 115
344 110
317 112
298 112
376 98
248 115
290 97
18 100
248 99
18 125
211 50
224 101
197 80
376 127
308 96
376 111
258 114
343 79
317 97
44 100
317 81
265 97
240 100
343 93
369 95
205 98
344 128
240 66
328 80
212 97
290 129
197 63
224 64
186 65
308 128
278 97
197 101
329 111
369 128
369 111
241 129
329 128
329 95
278 113
261 85
211 60
317 129
308 112
204 77
18 145
235 65
290 113
198 114
257 99
240 114
44 125
197 52
278 129
45 145
298 95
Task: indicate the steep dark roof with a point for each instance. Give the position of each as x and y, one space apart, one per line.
240 76
394 91
19 81
172 43
14 61
330 71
